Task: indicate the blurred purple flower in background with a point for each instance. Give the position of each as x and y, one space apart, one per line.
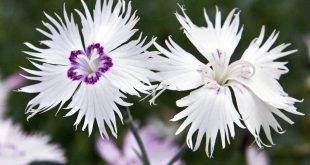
160 149
255 156
6 86
17 148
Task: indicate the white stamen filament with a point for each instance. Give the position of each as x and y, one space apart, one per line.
241 68
91 66
221 72
155 96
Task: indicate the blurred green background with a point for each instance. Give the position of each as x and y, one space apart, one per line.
19 18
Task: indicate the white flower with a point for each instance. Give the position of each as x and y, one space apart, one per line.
93 72
253 80
17 148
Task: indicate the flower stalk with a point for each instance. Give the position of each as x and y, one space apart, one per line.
136 135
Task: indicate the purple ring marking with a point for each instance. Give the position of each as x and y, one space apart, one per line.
89 66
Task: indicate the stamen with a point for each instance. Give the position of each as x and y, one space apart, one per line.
207 72
151 94
155 96
219 71
242 69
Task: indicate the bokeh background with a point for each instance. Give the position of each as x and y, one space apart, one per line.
19 18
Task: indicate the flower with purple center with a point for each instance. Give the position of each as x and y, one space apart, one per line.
89 66
92 67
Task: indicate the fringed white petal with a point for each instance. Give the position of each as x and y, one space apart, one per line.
263 57
270 91
209 111
110 25
257 114
180 70
54 88
97 102
224 37
131 72
63 37
18 148
264 83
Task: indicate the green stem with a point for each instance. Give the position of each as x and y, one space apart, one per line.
179 154
136 135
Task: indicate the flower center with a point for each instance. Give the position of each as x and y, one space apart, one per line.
89 66
219 71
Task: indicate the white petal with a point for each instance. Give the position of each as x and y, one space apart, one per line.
264 83
131 72
54 88
263 57
180 70
209 111
212 38
97 102
257 114
63 37
270 91
18 148
110 26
